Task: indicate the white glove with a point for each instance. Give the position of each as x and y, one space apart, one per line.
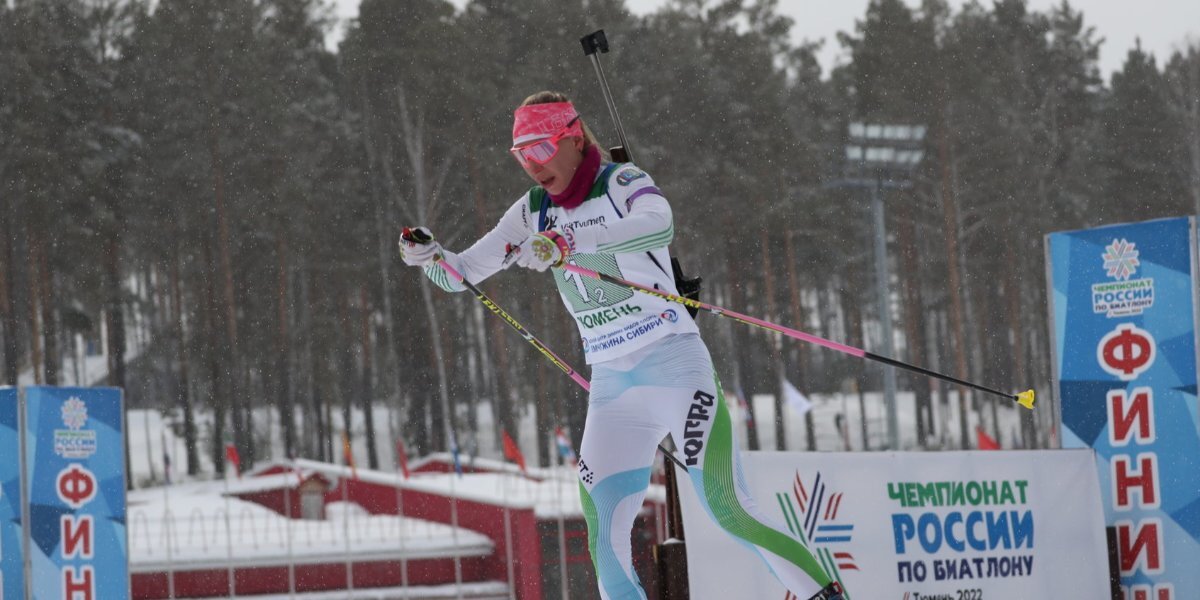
418 248
540 251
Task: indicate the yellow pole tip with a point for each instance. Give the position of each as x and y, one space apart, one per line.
1026 399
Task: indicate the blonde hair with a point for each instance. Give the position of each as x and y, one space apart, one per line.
547 97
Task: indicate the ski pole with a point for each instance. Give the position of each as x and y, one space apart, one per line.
414 235
1025 398
597 42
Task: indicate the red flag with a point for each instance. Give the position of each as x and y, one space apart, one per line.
512 451
231 457
348 455
402 457
985 441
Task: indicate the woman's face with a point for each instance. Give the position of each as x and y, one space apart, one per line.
556 174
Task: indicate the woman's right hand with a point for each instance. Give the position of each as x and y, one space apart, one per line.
418 248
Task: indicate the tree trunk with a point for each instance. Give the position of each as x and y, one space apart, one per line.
1017 339
801 350
950 226
8 315
367 391
857 337
35 313
45 289
542 417
184 392
772 341
115 311
217 398
442 417
914 318
283 346
230 357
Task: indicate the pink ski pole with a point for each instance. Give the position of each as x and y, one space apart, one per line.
1025 398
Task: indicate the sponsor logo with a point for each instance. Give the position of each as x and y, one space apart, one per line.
629 175
580 223
74 413
693 428
1121 259
812 513
670 315
74 441
1122 297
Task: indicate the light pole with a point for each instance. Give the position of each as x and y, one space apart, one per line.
879 156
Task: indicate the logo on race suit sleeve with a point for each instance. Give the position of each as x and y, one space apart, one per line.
1122 297
629 175
74 441
670 315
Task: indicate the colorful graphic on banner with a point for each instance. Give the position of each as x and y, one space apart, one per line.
76 488
12 573
1125 340
917 525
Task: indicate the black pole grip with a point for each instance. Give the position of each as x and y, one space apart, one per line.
593 42
415 235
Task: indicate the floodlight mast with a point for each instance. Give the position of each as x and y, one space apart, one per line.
882 152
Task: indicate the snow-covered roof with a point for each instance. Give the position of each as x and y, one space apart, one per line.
555 495
194 526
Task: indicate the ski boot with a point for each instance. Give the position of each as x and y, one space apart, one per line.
833 591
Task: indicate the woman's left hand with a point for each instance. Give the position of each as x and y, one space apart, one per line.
540 251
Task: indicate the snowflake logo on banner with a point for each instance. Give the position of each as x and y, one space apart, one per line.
1121 259
74 413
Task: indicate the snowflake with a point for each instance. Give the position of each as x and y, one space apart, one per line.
1121 260
74 413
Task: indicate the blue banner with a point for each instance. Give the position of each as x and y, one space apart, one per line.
75 464
12 573
1124 317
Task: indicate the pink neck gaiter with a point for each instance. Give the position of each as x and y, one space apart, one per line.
581 182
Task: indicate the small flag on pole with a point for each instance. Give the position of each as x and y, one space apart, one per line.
402 457
454 452
166 459
795 399
512 452
564 445
348 455
743 406
984 441
231 458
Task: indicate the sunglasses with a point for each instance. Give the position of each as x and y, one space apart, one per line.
542 151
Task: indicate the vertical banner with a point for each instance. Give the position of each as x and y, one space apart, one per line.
1124 319
75 469
12 574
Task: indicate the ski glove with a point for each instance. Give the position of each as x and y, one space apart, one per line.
418 248
540 251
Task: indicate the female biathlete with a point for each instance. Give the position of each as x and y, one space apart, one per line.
651 372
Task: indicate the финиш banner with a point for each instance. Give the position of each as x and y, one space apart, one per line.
12 566
75 464
912 526
1124 311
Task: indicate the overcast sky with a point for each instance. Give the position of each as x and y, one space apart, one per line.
1163 25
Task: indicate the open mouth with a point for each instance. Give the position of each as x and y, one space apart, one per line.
547 182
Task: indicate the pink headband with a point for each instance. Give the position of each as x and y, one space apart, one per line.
537 121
